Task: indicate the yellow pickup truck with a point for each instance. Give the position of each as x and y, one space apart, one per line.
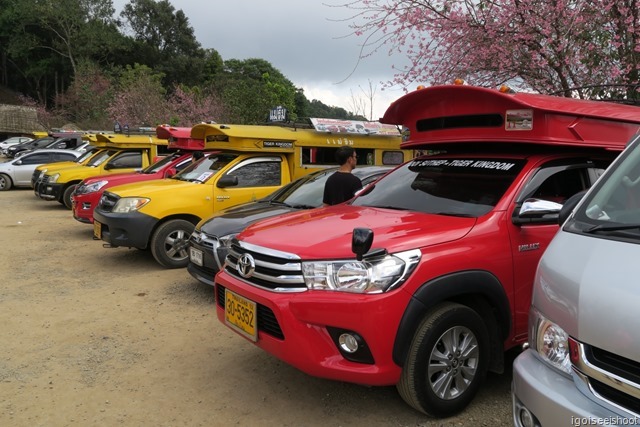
252 162
120 153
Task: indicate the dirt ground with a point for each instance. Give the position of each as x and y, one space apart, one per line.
92 336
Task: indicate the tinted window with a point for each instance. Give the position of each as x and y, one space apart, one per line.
126 160
61 157
36 159
447 186
258 174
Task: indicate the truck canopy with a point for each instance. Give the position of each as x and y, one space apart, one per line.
123 141
461 114
179 138
284 139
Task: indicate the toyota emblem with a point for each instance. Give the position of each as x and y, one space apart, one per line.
246 266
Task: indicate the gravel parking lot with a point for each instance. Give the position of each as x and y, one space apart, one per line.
95 336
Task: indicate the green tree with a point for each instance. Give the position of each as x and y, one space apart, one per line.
250 88
165 41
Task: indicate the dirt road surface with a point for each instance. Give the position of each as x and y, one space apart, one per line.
91 336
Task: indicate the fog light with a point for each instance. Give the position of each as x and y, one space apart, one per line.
348 343
526 419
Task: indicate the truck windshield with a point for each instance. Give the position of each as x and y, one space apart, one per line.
160 164
99 158
205 168
613 207
460 186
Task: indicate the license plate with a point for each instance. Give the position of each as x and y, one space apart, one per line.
240 314
195 255
97 230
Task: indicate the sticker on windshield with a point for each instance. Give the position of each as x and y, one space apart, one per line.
204 176
519 120
462 163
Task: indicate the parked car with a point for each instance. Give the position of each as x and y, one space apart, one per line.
13 141
72 141
36 143
87 194
207 246
18 172
583 358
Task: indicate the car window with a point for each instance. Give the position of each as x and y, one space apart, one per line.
126 160
60 157
447 186
36 159
260 173
99 158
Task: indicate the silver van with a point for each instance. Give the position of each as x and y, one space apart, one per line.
582 366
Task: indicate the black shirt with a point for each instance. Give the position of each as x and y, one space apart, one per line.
340 186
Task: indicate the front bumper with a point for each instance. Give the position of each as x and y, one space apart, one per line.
131 230
299 328
48 191
554 399
84 205
209 260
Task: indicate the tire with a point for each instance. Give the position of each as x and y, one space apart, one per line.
66 196
438 379
169 244
5 182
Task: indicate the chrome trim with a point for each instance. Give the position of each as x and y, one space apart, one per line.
267 251
586 370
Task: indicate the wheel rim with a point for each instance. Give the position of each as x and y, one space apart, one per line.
3 183
175 245
453 363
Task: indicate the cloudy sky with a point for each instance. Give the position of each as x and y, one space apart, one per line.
307 40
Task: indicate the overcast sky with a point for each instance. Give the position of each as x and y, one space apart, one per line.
306 40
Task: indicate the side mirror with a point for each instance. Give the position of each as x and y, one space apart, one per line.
170 172
537 211
18 162
569 206
227 181
361 241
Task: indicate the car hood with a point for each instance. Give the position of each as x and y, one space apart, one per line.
325 233
586 285
151 188
121 178
234 219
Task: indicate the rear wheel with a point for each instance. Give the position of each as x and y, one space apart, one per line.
5 182
447 361
66 196
169 244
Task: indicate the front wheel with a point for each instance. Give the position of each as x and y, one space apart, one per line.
447 361
169 244
66 196
5 182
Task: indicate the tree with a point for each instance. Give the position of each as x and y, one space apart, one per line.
189 106
547 46
165 41
139 99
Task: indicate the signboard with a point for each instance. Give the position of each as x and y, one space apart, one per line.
278 114
354 126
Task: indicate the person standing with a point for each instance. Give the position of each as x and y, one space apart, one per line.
342 184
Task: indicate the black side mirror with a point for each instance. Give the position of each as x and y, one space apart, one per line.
361 241
569 206
227 181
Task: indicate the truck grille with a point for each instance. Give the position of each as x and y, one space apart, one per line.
613 378
274 270
107 201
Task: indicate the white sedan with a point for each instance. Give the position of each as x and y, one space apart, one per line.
17 172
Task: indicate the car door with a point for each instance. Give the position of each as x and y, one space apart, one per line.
25 165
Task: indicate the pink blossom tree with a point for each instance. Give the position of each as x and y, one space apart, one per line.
549 46
189 106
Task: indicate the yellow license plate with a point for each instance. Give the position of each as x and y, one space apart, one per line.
97 230
240 314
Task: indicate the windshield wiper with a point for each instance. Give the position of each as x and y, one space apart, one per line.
611 227
303 206
277 202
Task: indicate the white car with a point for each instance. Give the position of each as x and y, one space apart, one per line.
18 172
13 141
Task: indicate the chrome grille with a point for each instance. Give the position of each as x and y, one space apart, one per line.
612 378
274 270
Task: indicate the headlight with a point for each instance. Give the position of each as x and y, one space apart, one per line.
550 341
130 204
91 188
366 276
54 178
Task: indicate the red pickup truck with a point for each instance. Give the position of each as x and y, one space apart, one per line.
87 194
424 279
